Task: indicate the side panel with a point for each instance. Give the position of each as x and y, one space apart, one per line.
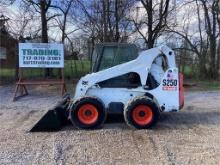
167 93
109 95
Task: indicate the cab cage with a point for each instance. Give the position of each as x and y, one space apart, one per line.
107 55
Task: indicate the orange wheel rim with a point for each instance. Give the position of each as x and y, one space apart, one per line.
142 115
88 114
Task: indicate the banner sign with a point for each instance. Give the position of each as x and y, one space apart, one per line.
41 55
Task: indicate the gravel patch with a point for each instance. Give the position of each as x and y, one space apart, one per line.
191 136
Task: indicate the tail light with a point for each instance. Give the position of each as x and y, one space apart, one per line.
181 91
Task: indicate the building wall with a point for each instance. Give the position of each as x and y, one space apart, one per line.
11 46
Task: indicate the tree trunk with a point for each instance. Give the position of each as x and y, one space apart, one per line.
218 58
212 53
202 67
44 34
44 23
117 34
104 21
63 29
62 40
150 25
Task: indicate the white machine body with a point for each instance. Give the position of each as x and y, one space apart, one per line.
166 94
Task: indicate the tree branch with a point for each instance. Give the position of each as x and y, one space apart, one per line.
53 16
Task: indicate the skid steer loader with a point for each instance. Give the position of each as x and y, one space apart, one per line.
122 81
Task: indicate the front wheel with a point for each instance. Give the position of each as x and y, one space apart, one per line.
88 113
141 113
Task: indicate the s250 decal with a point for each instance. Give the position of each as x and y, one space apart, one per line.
169 84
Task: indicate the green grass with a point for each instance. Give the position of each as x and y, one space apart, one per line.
5 72
201 85
190 72
76 68
210 85
72 69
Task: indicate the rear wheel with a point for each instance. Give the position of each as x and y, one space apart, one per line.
141 113
88 113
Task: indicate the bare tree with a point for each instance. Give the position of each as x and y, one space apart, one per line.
154 19
104 20
205 46
64 7
42 7
211 15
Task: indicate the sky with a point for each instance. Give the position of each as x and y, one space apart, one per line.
186 18
17 19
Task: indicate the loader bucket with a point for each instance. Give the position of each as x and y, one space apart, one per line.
54 119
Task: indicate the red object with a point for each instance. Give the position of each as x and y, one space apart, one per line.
181 91
142 115
88 114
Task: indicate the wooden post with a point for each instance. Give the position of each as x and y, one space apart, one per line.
63 88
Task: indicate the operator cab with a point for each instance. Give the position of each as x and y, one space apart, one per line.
107 55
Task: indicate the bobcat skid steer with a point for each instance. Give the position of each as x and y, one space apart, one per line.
122 82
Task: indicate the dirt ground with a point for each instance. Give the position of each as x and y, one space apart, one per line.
191 136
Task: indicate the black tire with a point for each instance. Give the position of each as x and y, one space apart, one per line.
76 118
150 117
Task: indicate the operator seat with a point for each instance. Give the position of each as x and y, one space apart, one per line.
156 69
156 73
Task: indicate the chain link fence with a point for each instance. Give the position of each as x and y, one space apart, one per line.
73 69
